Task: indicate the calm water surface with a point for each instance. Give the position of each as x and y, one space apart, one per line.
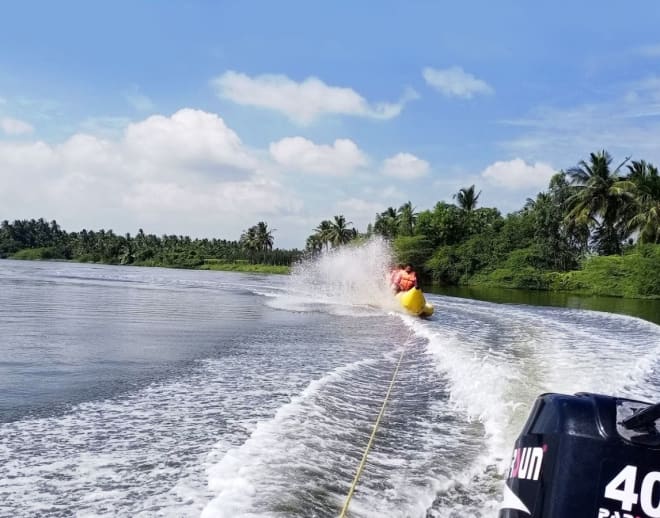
151 392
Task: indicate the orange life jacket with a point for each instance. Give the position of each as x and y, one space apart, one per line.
407 280
395 275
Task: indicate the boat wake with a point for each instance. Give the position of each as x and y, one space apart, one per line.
480 367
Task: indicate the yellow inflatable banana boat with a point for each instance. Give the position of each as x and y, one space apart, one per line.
413 302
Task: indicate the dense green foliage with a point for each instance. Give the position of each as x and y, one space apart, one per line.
594 229
38 239
635 273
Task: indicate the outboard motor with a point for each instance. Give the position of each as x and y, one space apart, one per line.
585 456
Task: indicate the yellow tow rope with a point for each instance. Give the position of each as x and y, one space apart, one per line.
344 509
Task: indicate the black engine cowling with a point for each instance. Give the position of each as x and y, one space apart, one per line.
585 456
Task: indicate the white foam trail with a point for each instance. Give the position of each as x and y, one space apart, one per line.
536 350
482 386
139 455
235 477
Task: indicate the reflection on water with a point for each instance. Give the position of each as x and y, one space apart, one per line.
642 308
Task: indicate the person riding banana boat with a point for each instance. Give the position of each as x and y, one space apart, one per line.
406 288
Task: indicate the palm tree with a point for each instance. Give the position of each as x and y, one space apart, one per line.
314 244
323 232
248 239
598 200
466 198
340 233
387 223
645 207
407 218
264 237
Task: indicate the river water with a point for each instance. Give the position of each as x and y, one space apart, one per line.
151 392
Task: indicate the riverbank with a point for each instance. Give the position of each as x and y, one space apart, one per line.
633 275
247 268
43 254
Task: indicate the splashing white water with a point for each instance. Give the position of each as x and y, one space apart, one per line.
350 275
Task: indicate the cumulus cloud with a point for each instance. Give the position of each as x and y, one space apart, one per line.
455 82
234 198
405 166
188 173
516 174
14 126
190 139
302 102
300 154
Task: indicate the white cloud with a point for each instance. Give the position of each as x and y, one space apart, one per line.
233 198
302 102
138 100
405 166
190 139
188 174
455 82
516 174
300 154
15 127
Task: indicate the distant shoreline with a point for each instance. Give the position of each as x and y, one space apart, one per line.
224 267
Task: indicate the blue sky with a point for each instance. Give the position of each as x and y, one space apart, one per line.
201 118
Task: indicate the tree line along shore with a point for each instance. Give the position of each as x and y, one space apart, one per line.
594 230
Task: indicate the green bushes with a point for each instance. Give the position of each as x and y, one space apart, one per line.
42 253
522 268
412 249
245 267
635 274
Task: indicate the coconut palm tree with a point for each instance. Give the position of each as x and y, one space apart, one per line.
264 237
407 218
599 198
314 244
248 239
387 223
340 233
645 207
467 199
323 232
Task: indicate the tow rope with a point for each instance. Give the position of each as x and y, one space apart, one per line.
358 473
